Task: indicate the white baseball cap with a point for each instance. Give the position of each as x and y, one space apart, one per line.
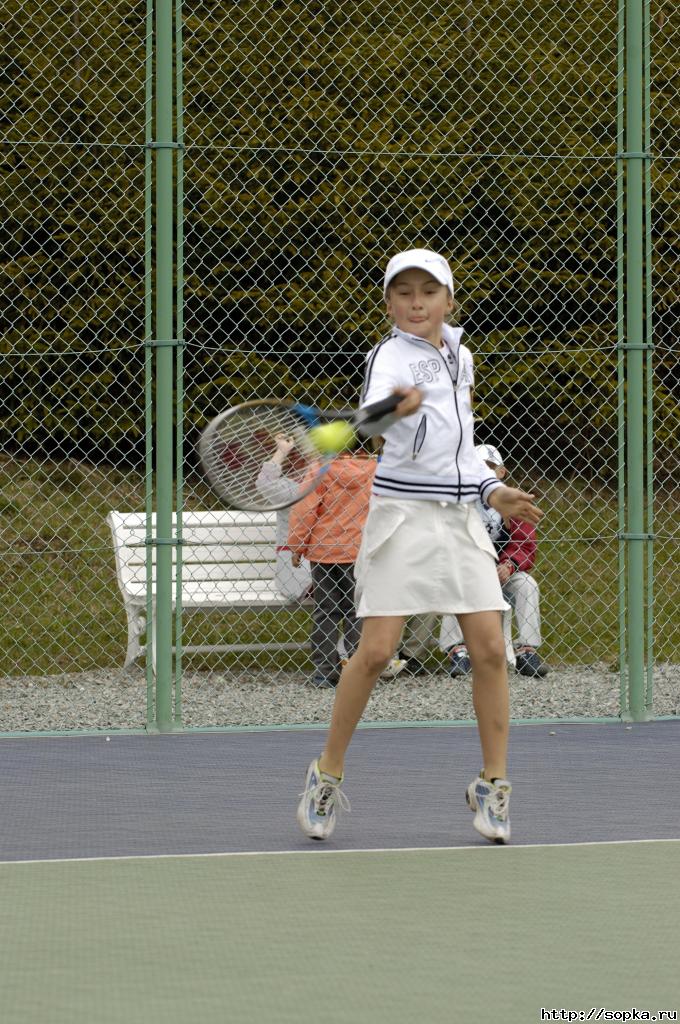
420 259
488 453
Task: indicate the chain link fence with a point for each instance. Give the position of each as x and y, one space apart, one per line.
72 354
316 141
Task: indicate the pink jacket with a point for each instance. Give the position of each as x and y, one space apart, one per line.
326 526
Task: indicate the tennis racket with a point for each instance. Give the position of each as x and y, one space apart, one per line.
236 444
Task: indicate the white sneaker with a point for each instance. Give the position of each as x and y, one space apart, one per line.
393 669
491 802
316 813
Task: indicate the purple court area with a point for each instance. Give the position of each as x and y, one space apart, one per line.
79 796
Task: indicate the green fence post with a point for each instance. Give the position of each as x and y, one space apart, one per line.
164 147
148 356
621 354
179 373
649 360
636 536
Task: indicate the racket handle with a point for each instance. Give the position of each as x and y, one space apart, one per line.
375 418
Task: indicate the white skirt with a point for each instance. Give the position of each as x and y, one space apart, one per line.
418 557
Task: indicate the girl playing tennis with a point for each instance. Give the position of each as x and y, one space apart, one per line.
424 547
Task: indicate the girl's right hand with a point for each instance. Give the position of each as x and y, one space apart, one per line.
410 402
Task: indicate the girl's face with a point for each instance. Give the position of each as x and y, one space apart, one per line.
418 304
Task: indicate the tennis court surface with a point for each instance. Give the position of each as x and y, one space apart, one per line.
164 879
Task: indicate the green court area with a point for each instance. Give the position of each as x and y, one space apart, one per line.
387 937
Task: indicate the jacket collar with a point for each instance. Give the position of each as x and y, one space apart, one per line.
451 337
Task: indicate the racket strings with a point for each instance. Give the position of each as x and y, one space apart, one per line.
243 442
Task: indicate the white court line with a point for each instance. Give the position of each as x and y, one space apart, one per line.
316 851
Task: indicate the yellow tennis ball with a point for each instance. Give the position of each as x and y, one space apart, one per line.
330 438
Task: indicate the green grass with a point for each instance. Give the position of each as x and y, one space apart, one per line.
65 613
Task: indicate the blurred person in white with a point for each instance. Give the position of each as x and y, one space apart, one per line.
293 582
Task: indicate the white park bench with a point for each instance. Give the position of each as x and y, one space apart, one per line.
228 564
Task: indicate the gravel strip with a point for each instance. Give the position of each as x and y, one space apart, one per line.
116 699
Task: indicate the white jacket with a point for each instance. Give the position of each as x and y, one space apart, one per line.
429 455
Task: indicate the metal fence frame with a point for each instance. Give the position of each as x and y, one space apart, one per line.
164 184
164 189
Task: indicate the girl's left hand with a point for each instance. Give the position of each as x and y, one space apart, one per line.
515 504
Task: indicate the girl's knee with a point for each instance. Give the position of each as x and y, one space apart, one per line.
490 657
375 657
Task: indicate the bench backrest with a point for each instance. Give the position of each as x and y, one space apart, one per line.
216 547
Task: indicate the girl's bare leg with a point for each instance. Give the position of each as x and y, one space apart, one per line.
483 636
379 640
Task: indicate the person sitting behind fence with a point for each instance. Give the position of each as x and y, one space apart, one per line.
326 528
515 543
292 582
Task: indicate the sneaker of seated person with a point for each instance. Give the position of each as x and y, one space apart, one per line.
412 666
393 668
529 663
322 682
459 661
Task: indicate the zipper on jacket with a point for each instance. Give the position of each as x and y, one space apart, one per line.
454 384
419 438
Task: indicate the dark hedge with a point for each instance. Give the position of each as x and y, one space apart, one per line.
321 138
